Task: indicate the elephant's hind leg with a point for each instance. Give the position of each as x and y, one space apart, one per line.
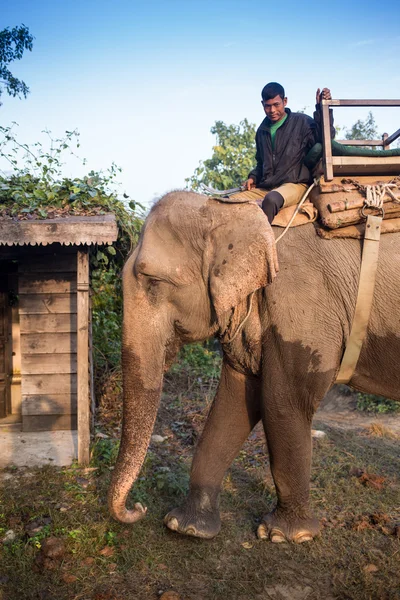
234 413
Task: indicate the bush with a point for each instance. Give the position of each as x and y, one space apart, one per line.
197 369
36 189
377 404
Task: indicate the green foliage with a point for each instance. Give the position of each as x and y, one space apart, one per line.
13 43
363 130
377 404
172 479
104 452
232 160
196 372
37 189
199 360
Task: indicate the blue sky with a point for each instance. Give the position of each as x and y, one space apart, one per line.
144 82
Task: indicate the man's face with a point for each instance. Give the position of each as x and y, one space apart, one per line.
274 108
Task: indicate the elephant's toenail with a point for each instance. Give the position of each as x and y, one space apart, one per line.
191 531
262 532
172 524
277 536
302 536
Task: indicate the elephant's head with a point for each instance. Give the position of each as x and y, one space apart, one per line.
197 258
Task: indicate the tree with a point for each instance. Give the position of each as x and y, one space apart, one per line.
13 43
232 159
234 153
363 130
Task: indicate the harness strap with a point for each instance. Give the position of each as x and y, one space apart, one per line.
366 285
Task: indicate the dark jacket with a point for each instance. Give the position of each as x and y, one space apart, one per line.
293 139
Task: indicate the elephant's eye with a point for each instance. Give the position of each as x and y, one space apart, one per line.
154 282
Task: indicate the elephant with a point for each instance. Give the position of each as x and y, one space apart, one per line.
206 268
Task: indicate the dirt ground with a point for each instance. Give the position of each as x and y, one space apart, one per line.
339 409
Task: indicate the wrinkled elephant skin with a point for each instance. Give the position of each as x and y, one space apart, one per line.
205 268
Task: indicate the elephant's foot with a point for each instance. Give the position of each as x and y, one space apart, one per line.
198 517
280 527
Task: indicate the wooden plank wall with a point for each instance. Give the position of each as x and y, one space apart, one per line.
48 315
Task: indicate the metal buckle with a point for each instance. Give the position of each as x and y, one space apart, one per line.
381 211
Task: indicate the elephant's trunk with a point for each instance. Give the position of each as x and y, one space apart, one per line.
143 356
139 414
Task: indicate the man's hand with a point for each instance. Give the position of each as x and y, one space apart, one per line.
324 95
250 183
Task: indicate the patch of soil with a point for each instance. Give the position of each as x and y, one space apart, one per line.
339 409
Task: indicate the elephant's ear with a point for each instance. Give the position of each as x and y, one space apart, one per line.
243 255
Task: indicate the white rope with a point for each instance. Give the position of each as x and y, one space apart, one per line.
229 341
375 194
316 181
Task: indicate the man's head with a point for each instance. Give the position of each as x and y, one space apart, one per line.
274 101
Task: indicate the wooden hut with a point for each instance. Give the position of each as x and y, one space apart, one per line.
45 341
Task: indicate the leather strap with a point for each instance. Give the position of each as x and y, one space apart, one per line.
366 285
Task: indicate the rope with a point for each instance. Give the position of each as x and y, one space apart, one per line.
305 196
375 194
316 181
229 341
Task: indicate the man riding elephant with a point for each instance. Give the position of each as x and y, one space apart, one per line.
283 140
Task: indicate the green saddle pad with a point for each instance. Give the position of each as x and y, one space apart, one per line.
315 154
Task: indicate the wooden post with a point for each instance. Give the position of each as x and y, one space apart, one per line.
83 356
384 144
91 366
326 141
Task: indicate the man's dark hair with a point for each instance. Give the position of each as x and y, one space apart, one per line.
271 90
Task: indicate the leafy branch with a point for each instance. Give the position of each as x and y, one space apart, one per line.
35 188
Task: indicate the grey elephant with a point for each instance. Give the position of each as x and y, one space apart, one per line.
206 268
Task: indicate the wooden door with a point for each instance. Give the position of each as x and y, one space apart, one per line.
4 356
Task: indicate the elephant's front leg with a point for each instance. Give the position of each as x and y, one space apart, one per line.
287 418
234 413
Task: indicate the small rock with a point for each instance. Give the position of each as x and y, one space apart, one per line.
371 569
9 537
102 436
32 531
158 439
170 595
316 434
247 545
